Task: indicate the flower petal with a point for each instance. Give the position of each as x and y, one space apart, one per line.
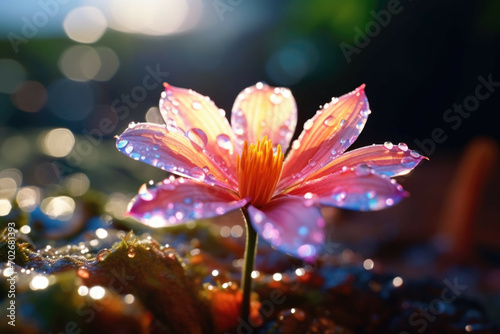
327 135
262 110
191 111
167 148
388 159
290 225
357 188
177 201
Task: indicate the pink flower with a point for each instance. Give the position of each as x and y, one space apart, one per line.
226 167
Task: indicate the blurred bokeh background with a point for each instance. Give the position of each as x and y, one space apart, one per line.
74 73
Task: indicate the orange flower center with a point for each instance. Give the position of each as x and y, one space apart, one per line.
259 170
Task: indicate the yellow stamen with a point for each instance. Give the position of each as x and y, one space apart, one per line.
259 171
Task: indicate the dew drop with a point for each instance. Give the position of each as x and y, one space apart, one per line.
222 112
135 156
196 105
205 169
122 143
308 124
295 144
131 252
339 196
388 145
415 154
83 272
224 141
403 147
329 121
103 254
362 170
312 163
342 122
239 124
197 173
334 152
129 149
198 136
156 147
408 162
276 99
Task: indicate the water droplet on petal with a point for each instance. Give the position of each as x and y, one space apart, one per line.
224 142
415 154
388 145
308 124
131 252
156 147
334 152
329 121
122 143
295 144
342 122
339 196
222 112
239 124
362 170
129 149
197 173
198 137
103 253
403 147
312 163
276 99
196 105
205 169
408 162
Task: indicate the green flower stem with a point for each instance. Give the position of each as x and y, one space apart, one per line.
246 274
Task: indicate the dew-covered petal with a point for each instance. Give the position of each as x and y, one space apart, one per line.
358 188
262 110
193 112
291 225
177 201
170 149
388 159
326 136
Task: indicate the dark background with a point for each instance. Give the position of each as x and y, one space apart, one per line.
426 59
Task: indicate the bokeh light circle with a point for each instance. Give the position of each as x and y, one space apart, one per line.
31 96
12 75
85 24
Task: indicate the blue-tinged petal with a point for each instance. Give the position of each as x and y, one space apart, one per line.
177 201
172 150
388 159
291 225
357 188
